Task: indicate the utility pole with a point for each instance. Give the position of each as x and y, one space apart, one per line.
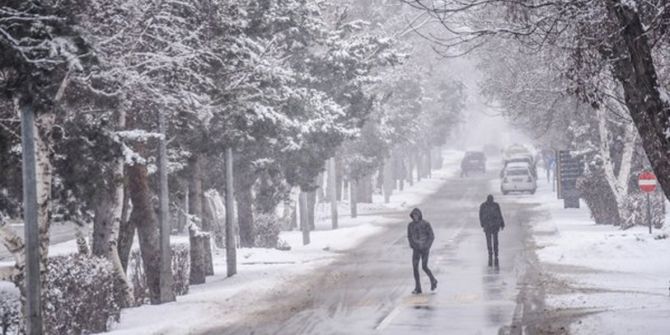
166 279
649 212
30 224
332 192
231 252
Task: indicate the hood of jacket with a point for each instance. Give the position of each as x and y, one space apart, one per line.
417 212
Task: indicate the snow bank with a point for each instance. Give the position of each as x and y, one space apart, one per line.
618 279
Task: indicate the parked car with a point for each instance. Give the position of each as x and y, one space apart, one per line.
517 177
473 161
522 159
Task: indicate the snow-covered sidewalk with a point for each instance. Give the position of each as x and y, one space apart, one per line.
611 281
223 301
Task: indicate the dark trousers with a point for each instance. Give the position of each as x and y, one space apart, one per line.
421 255
492 241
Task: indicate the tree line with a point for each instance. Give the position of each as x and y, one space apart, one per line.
586 76
286 85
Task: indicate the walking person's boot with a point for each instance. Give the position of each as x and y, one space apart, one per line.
433 284
497 264
417 291
490 260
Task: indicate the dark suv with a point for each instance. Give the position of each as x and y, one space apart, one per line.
474 161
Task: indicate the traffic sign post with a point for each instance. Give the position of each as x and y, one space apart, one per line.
647 183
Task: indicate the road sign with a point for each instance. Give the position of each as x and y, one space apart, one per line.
569 169
647 182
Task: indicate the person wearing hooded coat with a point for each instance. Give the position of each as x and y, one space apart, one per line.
491 220
420 236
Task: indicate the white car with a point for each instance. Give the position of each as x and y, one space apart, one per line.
516 150
518 177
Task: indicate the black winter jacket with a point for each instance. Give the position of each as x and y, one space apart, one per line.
490 216
419 233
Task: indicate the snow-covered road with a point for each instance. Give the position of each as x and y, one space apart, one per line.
368 290
556 275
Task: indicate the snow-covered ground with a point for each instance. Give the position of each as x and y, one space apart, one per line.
615 281
261 271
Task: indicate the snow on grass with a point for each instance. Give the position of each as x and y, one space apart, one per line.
225 300
621 276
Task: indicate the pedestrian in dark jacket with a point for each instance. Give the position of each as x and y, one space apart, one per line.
491 220
420 236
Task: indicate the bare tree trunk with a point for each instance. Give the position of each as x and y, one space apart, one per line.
320 191
207 223
111 207
352 199
634 69
304 221
185 208
126 231
144 218
389 182
245 216
332 192
379 181
198 259
294 215
345 190
215 209
364 190
195 190
618 182
399 171
411 164
311 209
209 263
106 225
291 209
436 158
44 123
429 163
339 183
200 255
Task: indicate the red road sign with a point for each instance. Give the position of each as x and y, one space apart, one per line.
647 182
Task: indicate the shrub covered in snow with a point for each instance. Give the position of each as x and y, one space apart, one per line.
267 230
283 245
10 307
636 210
80 298
181 269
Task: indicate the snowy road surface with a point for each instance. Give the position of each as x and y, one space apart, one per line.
368 289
